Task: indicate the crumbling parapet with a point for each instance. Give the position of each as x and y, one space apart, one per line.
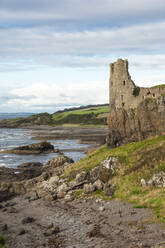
123 91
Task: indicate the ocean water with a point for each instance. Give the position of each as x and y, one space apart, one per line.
11 138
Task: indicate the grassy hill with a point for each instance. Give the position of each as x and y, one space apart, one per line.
87 115
138 160
90 115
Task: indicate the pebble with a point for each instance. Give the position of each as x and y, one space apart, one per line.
101 209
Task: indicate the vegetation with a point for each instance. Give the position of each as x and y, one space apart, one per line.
139 160
149 100
136 91
2 242
93 115
157 86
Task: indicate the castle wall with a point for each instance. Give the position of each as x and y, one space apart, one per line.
122 87
133 118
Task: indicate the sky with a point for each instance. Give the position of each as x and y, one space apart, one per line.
55 54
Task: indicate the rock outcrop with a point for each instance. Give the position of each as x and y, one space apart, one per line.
157 180
146 121
49 185
37 148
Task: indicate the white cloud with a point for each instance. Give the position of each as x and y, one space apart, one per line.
85 10
44 46
47 97
49 36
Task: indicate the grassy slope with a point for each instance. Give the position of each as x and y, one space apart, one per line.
93 115
96 115
139 160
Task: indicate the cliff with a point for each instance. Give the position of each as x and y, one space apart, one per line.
133 117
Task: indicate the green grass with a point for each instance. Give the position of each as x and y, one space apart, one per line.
2 242
78 193
138 160
93 115
100 194
157 86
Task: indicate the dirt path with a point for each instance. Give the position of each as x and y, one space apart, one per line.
82 223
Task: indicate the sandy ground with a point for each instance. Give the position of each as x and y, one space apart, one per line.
82 223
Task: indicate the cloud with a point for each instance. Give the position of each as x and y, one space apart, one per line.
33 47
49 36
38 97
94 11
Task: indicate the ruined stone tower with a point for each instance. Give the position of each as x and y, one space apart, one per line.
136 113
123 91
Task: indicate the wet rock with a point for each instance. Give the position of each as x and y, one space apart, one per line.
89 188
29 170
36 148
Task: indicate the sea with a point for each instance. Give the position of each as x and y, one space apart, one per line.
11 138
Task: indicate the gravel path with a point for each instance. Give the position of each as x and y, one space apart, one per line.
82 223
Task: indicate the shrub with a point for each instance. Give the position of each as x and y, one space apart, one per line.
136 91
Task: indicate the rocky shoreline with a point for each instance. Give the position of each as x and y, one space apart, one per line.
40 207
88 135
47 210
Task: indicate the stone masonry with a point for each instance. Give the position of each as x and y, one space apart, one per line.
122 87
133 117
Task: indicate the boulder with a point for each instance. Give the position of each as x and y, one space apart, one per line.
108 189
98 184
105 170
143 182
157 180
59 161
89 188
62 190
81 177
37 148
111 163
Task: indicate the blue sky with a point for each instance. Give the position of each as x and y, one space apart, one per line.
56 54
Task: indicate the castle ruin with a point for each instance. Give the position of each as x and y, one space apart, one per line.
136 113
123 91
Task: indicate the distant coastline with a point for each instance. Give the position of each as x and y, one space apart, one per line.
14 115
